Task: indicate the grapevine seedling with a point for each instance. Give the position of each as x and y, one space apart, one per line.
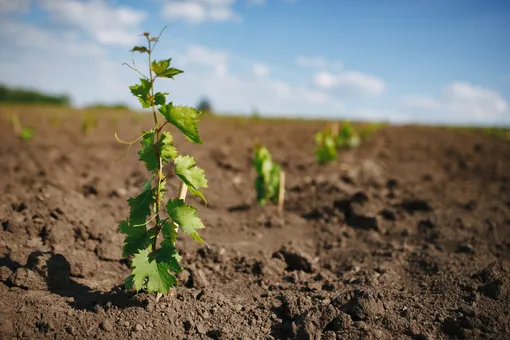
333 137
347 136
25 133
325 146
154 263
270 180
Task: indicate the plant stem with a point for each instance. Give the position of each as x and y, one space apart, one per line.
158 153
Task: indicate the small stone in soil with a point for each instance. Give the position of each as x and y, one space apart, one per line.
106 326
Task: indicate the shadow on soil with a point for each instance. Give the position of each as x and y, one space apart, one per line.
50 271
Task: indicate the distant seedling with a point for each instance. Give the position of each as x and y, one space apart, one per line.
332 137
23 132
347 136
270 180
325 146
154 262
89 123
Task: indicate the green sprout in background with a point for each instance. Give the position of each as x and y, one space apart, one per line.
347 136
25 133
268 183
325 146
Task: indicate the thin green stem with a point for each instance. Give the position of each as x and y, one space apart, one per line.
158 151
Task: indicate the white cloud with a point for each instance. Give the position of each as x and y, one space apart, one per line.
324 80
232 93
14 6
462 101
107 24
422 102
29 38
330 74
350 80
62 62
214 60
360 81
318 63
198 11
260 70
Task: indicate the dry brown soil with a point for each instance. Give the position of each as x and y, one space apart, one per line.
405 237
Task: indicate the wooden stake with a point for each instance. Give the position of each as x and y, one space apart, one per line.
181 194
281 191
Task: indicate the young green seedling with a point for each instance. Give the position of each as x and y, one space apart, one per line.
25 133
155 262
270 180
325 146
347 136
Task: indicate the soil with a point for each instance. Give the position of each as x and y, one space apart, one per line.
405 237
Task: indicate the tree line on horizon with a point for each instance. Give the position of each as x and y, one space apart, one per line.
29 96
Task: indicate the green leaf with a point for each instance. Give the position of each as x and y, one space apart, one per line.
168 254
325 147
154 271
191 175
267 181
273 185
140 206
148 152
167 150
160 98
27 133
142 92
162 69
184 118
185 216
141 49
138 238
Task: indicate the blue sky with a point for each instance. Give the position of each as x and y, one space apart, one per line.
431 61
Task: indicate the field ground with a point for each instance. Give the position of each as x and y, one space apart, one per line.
405 237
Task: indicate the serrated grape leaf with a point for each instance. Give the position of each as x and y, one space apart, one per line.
185 216
142 92
141 49
160 98
184 118
138 238
191 175
162 69
140 206
148 152
154 272
167 150
168 254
